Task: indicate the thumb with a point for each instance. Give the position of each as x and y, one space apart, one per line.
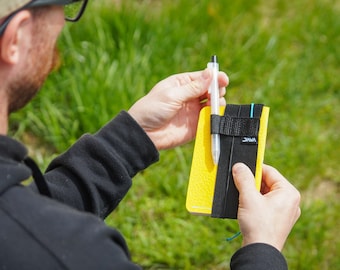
197 86
244 178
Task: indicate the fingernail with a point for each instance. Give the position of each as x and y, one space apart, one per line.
238 168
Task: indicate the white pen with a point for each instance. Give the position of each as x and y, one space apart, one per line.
215 107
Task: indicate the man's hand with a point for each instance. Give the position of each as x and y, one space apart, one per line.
270 216
169 112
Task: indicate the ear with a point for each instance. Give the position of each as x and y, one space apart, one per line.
15 37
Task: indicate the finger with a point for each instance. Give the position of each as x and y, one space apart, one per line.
274 181
198 85
223 102
271 176
188 77
223 91
223 79
244 179
207 102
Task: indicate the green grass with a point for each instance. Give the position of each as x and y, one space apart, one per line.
283 54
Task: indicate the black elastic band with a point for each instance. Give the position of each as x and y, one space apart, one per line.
38 177
234 126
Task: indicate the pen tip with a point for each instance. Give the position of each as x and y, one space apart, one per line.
214 58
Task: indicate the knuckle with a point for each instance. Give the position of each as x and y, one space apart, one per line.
195 85
296 197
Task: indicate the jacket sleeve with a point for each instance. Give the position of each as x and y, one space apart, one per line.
258 256
96 172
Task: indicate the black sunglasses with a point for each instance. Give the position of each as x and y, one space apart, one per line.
73 10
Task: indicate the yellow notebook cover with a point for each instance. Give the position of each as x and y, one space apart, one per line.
201 187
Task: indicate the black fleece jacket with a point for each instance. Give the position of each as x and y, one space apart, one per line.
86 183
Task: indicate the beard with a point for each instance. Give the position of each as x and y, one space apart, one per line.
27 84
40 59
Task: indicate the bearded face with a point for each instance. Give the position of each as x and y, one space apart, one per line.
41 58
28 83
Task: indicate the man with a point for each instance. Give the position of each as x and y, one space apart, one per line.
57 222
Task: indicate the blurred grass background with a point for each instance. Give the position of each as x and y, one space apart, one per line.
284 54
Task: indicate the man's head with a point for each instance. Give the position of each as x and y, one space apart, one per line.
28 34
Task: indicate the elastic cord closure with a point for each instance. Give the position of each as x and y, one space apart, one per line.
38 177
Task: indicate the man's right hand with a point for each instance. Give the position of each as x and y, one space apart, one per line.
269 216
